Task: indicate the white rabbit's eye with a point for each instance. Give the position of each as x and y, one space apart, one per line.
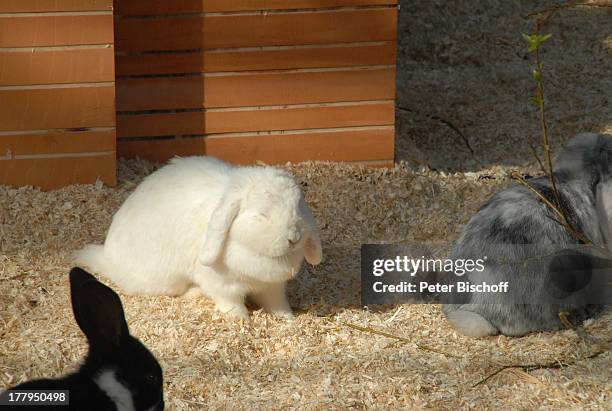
263 216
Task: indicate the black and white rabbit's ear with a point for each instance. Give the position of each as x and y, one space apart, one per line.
219 225
604 210
97 310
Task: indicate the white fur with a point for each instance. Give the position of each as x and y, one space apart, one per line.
200 222
604 210
121 396
471 324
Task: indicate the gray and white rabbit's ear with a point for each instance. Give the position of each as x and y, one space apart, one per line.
313 252
97 310
604 210
577 150
219 224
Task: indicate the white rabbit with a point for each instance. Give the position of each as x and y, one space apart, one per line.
199 222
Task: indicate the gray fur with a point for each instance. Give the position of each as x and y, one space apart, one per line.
515 216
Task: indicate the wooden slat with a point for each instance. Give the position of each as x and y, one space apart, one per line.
20 6
161 150
278 29
255 89
51 173
146 7
56 30
327 146
57 66
41 109
58 142
211 122
357 145
315 57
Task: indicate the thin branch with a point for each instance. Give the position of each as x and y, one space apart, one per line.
563 221
568 5
581 332
402 339
456 130
536 41
446 122
537 157
525 367
544 126
493 374
554 208
604 347
15 277
533 367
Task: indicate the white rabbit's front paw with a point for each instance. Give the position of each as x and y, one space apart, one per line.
273 300
284 313
193 292
233 309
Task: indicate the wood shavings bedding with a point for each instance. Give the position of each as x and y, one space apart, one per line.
316 361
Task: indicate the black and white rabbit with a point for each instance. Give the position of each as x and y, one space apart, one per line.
119 372
515 225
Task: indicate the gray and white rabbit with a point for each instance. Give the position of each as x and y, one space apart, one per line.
515 225
119 372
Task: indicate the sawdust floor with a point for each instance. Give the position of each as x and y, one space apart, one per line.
315 361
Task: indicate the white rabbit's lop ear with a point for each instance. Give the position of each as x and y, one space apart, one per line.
604 210
313 252
219 224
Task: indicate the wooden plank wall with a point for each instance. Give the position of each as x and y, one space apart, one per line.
248 80
57 92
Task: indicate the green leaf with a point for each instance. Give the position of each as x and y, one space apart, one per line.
537 74
535 101
535 40
532 40
544 38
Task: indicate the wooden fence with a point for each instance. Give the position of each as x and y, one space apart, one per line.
243 80
267 80
57 92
